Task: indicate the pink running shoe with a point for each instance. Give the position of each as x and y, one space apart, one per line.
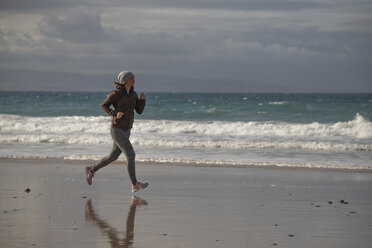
89 174
139 186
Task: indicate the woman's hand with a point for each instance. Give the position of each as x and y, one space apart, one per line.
142 96
119 115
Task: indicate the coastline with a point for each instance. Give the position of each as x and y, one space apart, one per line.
122 161
184 206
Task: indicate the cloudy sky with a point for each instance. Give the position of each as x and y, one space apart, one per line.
304 45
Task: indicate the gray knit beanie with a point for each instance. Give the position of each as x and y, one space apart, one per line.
124 76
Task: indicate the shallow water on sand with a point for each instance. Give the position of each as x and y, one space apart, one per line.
182 207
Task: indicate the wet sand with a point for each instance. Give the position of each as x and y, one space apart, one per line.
184 206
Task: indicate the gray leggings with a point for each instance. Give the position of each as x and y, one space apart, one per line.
121 144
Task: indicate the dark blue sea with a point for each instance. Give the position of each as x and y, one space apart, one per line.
299 130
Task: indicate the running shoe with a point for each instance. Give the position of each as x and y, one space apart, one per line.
139 186
89 174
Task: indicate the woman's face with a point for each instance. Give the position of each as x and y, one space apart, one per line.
130 81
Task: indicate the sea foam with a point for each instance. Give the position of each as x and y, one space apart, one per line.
355 134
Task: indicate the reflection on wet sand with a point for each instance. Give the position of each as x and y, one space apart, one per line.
113 235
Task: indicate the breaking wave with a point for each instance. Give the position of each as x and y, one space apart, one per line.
354 135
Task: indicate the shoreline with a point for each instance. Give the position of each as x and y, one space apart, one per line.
182 164
47 203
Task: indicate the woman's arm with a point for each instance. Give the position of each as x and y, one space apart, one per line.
140 103
107 103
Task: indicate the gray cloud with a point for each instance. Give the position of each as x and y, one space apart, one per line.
76 26
233 4
299 44
27 5
290 5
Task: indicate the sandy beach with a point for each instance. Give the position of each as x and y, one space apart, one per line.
47 203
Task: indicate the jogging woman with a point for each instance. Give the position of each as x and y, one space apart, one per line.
124 101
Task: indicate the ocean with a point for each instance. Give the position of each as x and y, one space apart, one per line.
243 129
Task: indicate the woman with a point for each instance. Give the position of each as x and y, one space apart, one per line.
124 100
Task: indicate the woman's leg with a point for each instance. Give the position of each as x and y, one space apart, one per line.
114 154
121 139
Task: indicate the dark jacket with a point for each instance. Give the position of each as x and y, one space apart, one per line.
126 103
